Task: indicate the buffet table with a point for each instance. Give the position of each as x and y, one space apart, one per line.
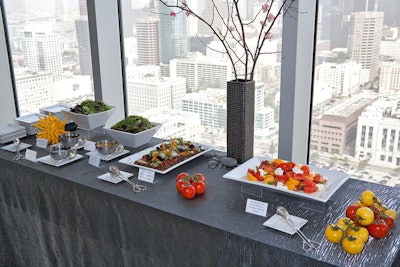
66 216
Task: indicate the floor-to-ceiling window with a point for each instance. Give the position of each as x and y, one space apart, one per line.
176 74
50 52
356 121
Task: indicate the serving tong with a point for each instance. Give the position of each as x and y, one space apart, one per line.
137 188
308 244
18 154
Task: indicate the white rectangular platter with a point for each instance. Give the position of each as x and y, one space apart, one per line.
335 180
130 160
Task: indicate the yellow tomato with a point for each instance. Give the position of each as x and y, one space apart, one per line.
345 223
365 216
352 244
278 161
359 203
334 233
269 179
361 232
251 177
392 213
368 198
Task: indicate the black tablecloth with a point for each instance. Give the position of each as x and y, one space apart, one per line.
65 216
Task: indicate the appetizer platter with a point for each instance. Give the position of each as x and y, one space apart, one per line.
329 181
167 155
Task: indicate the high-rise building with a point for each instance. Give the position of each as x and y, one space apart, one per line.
148 93
201 71
365 32
42 52
82 36
378 134
389 80
173 37
147 41
342 78
34 90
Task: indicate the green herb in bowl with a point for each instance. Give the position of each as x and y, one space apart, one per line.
133 124
89 106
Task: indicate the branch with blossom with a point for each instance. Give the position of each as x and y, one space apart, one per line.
234 27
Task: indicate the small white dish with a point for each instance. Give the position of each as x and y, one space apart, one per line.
12 148
114 179
278 223
107 157
49 160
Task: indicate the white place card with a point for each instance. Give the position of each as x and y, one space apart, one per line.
94 160
256 207
146 175
90 145
31 155
42 143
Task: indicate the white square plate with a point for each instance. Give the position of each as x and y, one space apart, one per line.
107 157
49 160
130 160
335 180
114 179
12 148
278 223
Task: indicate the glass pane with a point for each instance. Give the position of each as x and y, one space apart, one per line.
50 52
355 122
176 74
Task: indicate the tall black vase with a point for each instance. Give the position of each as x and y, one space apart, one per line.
240 119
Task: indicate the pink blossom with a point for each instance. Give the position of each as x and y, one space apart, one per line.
187 13
231 28
265 7
172 14
271 17
268 35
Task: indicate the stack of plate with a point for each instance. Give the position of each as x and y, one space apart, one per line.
28 120
8 132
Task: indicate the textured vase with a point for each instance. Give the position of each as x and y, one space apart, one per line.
240 119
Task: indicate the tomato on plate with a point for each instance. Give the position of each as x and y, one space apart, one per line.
378 229
305 169
388 220
368 198
285 166
352 244
351 211
359 231
334 233
365 216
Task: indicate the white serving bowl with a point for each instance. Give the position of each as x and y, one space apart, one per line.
92 121
133 139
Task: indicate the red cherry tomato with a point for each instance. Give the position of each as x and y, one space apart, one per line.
180 184
286 166
188 191
388 220
378 229
199 177
351 211
305 169
182 175
200 187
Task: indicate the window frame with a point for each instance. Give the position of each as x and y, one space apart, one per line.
108 67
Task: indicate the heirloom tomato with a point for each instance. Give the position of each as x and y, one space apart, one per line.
345 223
352 244
351 211
378 229
392 213
334 233
305 169
365 216
285 166
368 198
359 231
388 220
188 191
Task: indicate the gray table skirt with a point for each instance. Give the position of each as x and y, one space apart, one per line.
67 217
